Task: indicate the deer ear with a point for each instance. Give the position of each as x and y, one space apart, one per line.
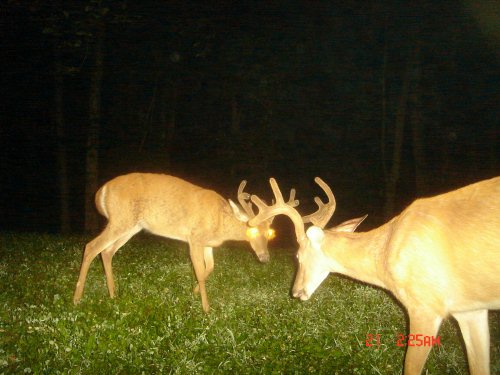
240 215
315 235
349 225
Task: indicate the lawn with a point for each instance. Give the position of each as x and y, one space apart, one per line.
156 324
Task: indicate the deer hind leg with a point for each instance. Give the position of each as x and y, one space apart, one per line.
423 324
476 335
199 258
107 258
104 241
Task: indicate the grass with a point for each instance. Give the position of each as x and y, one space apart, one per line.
156 325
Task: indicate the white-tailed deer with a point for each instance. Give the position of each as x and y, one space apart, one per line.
439 257
170 207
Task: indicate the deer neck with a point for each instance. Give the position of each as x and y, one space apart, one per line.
233 229
359 255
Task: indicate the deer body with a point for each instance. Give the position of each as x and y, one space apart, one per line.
439 257
448 248
169 207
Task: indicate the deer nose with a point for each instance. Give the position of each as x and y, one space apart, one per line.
264 258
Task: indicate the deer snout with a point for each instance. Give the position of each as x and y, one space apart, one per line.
264 258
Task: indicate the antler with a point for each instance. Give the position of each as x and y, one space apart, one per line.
325 210
292 202
319 218
244 199
280 207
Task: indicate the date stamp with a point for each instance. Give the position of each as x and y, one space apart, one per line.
375 340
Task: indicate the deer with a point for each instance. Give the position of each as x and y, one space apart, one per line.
170 207
439 257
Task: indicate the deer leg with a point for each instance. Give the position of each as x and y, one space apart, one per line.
105 240
208 257
107 258
197 257
92 249
476 334
422 324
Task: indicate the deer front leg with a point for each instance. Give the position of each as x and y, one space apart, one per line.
425 324
208 256
198 259
476 334
209 265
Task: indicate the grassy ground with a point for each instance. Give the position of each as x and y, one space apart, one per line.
156 325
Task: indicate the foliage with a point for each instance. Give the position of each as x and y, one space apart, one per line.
156 325
308 85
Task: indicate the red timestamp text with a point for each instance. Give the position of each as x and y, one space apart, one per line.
374 340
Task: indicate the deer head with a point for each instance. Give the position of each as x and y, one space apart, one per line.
312 265
259 235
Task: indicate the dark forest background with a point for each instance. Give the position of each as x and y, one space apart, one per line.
386 101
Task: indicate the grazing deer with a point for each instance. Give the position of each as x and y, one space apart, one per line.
439 257
170 207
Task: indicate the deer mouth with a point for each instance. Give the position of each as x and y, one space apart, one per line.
264 258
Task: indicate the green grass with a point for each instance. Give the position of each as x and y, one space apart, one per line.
156 324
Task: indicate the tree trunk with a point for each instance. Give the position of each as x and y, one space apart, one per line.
392 178
168 117
421 182
92 157
383 136
62 155
235 116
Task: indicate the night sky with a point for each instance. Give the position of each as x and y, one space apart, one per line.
249 90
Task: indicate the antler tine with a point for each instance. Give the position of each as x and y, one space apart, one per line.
325 210
244 198
276 191
280 207
292 202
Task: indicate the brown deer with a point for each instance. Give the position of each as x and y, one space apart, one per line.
170 207
439 257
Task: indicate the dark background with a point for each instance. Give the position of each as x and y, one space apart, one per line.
217 92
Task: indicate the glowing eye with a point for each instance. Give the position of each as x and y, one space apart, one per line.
270 234
252 232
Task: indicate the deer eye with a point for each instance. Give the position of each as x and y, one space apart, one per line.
270 234
252 232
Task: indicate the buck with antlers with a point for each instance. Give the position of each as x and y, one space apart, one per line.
170 207
439 257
